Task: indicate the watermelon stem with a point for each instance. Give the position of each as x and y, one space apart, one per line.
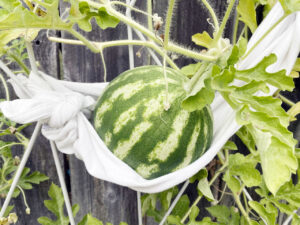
213 14
166 103
102 45
217 174
168 22
219 34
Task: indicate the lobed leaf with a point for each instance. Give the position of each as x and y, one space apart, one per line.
90 220
259 73
246 9
56 206
203 39
277 158
267 212
225 215
82 14
199 92
245 168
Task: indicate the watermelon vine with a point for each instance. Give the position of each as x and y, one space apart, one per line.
158 96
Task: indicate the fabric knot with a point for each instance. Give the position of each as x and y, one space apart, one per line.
65 107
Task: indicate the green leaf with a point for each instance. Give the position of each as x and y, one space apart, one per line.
148 202
21 17
233 183
199 92
90 220
296 220
277 158
193 215
297 65
104 20
246 9
294 111
174 220
5 150
151 201
225 215
198 176
258 73
190 69
204 189
247 139
182 206
267 104
26 179
202 39
81 13
230 145
244 167
221 80
287 199
56 206
165 197
8 210
267 212
290 6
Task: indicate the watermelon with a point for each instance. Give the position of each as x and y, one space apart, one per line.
131 118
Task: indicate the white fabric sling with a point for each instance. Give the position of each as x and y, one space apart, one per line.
65 106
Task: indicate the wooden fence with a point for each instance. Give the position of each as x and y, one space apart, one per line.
106 201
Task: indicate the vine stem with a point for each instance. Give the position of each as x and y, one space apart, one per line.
149 10
235 29
185 185
224 21
213 15
103 45
199 197
129 33
145 31
88 43
5 87
24 198
20 62
129 6
21 167
169 21
265 34
285 100
31 57
239 204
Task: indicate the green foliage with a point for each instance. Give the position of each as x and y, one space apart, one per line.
197 87
81 13
272 156
203 39
244 167
225 215
156 205
56 206
15 15
267 211
290 6
246 9
90 220
297 65
263 116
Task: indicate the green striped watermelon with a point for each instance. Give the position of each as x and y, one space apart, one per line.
130 118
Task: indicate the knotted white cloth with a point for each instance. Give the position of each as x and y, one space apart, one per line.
64 107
